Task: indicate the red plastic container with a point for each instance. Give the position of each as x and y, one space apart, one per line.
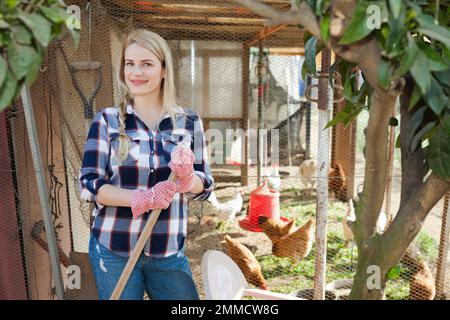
262 202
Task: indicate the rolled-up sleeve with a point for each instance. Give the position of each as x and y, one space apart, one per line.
201 165
95 159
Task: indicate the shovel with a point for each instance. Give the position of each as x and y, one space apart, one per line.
88 289
137 250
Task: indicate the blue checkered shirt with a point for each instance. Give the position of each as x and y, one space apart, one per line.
145 165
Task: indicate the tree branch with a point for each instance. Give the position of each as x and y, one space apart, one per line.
414 167
298 14
410 217
371 202
366 53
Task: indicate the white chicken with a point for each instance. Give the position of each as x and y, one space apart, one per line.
351 217
227 211
273 179
308 173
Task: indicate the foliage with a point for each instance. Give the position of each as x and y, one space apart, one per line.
26 29
415 46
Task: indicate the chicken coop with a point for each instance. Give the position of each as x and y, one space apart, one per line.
265 138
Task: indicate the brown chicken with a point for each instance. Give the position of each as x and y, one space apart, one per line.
421 284
337 181
247 262
275 229
296 245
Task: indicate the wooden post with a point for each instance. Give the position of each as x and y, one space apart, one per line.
390 169
259 142
244 119
325 103
443 250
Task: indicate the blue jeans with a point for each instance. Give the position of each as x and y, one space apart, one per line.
168 278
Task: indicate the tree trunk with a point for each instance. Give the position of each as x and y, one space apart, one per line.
370 277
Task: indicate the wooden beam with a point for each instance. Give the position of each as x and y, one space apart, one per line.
264 33
245 111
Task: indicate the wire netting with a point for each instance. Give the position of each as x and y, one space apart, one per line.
239 75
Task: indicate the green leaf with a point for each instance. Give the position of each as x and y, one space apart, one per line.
21 58
3 70
419 135
397 32
54 14
435 61
395 6
39 26
11 4
438 153
304 71
421 72
33 70
394 272
415 97
444 77
414 123
357 29
346 115
435 97
4 24
409 58
7 91
21 34
429 27
310 55
383 73
325 28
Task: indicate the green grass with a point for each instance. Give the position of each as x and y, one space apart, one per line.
427 245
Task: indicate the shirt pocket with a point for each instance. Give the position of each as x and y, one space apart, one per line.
170 140
133 153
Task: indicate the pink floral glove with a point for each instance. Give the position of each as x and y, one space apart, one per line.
158 197
182 165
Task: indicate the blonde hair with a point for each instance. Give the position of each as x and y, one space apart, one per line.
159 47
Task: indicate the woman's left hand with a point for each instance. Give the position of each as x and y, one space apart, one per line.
182 165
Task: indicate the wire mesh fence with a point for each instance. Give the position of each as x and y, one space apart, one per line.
240 76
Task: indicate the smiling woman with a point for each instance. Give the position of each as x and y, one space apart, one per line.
126 165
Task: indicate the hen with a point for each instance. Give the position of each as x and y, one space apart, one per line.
227 211
421 284
351 217
308 173
295 245
337 181
275 229
247 262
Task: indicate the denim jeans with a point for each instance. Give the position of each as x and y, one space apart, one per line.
168 278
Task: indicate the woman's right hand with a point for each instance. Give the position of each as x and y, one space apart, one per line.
158 197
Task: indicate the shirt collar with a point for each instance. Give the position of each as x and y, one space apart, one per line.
130 110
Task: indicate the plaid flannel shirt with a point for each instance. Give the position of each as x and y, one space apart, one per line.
146 164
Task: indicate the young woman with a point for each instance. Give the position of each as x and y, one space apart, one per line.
129 154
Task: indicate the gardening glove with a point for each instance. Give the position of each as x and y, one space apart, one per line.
158 197
182 165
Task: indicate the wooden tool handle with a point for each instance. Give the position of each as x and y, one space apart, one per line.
137 250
